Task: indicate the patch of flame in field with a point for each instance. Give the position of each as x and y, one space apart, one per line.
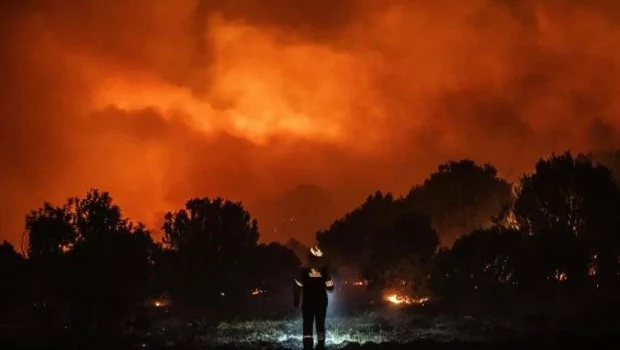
363 283
405 299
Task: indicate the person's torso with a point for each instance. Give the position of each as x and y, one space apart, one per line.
314 285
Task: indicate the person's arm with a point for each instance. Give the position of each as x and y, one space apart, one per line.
329 283
298 289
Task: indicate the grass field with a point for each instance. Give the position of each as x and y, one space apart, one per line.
387 326
392 326
342 330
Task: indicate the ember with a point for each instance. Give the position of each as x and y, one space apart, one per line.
561 276
257 291
361 283
160 303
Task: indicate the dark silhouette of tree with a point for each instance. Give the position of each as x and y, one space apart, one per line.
51 235
404 254
609 159
572 209
560 234
483 263
210 238
349 240
271 268
460 197
13 293
50 231
98 263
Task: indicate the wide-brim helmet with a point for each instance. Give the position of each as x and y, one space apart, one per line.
316 252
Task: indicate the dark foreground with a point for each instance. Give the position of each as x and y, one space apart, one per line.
547 342
388 329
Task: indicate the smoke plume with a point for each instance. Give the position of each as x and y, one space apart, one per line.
157 101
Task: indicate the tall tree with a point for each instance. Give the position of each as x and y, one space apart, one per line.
403 254
484 262
460 197
572 208
50 231
271 268
609 159
51 235
210 238
96 261
349 240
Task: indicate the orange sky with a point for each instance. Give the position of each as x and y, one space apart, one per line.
297 108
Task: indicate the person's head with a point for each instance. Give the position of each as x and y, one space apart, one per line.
315 256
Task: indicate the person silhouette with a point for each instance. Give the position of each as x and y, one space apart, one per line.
310 289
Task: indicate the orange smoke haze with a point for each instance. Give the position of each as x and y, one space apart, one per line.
297 108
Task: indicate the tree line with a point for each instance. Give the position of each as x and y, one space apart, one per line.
555 234
89 267
463 234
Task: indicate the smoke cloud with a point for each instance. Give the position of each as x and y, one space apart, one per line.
290 104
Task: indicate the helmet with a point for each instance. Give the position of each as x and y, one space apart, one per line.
315 251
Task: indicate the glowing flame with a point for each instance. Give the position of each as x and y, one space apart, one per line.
257 291
160 302
592 269
357 283
404 299
561 276
396 299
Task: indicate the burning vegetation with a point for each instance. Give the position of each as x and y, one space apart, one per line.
362 283
398 299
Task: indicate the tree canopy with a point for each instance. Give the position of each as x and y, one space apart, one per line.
212 237
461 196
572 207
90 257
349 240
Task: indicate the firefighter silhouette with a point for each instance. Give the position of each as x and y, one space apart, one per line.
311 287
